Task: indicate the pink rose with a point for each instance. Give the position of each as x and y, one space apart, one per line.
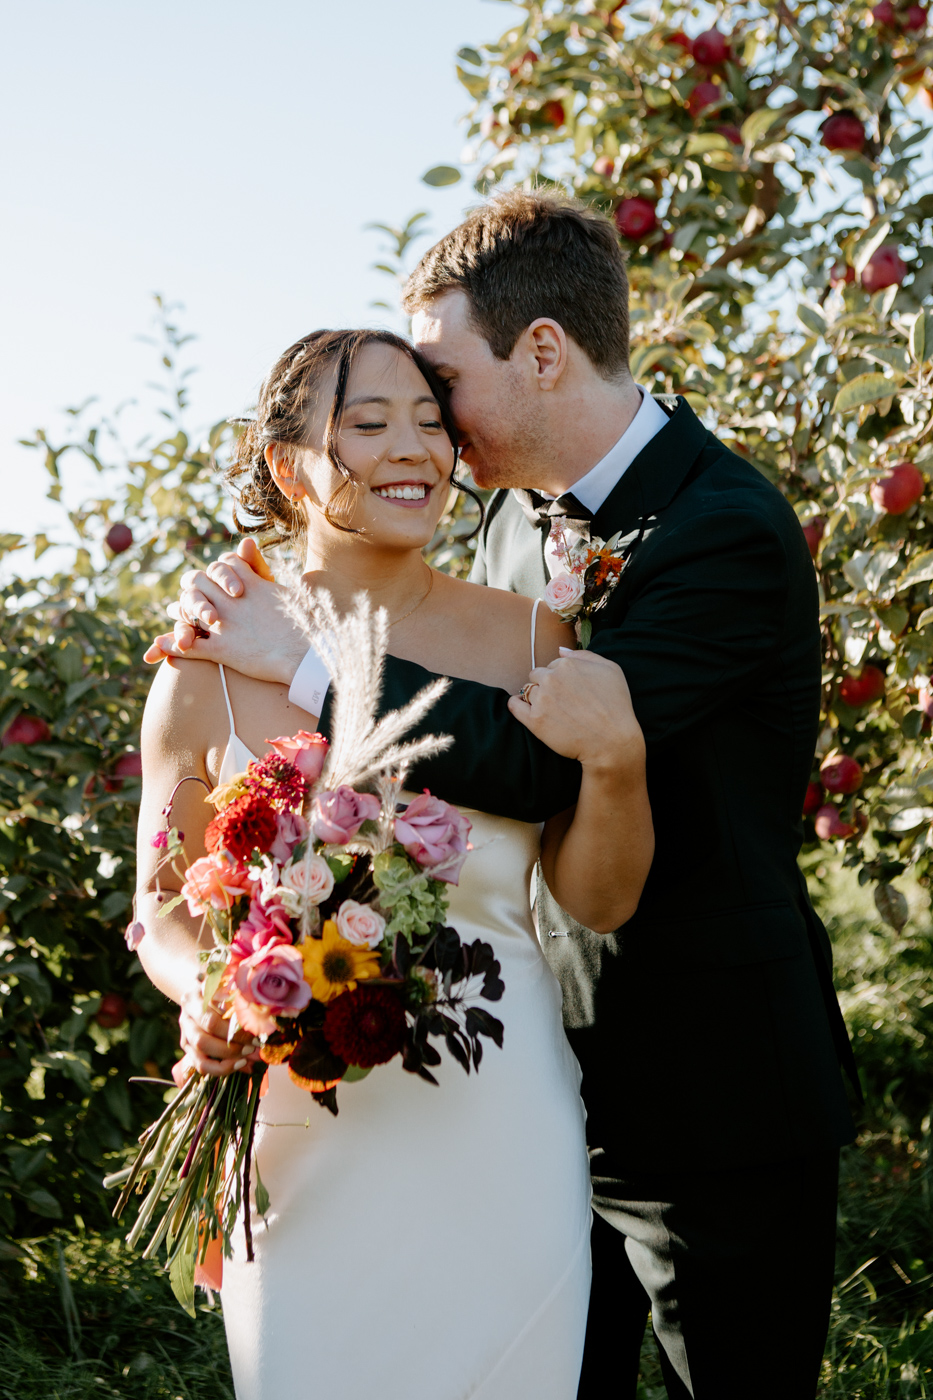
264 924
292 828
269 983
214 882
306 751
360 924
312 880
159 841
564 595
435 835
338 816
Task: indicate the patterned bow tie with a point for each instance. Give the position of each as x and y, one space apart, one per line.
542 513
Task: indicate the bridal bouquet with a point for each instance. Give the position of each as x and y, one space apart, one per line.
326 902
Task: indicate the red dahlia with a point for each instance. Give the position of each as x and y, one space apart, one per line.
246 825
365 1027
280 782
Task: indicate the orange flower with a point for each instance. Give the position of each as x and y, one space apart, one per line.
332 965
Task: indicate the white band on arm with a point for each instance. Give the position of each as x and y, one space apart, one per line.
310 684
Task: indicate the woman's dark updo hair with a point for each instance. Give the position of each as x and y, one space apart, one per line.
286 401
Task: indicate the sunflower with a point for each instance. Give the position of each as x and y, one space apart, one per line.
332 965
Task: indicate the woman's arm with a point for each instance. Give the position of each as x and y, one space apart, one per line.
176 737
595 856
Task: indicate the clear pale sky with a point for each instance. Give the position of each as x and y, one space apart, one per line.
226 153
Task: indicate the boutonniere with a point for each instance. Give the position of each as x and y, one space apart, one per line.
590 571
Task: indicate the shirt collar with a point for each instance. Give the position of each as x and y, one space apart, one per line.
593 488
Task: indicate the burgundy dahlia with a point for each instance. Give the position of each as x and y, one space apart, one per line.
248 824
365 1027
279 781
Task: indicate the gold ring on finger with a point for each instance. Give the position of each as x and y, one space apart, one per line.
526 690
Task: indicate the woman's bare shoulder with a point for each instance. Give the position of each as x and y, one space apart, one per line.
479 600
182 707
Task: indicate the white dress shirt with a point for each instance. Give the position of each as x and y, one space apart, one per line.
594 489
312 679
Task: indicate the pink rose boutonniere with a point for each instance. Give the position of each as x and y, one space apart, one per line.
591 570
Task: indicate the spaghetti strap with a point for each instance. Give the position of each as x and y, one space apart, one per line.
223 682
534 622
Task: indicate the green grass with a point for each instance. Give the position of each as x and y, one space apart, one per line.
92 1320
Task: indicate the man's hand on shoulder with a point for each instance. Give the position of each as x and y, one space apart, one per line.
237 603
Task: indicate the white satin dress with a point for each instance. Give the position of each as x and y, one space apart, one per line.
428 1243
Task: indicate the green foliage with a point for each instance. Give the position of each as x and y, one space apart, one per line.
823 387
91 1320
417 902
72 660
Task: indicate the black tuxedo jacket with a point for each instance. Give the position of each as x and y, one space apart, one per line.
707 1026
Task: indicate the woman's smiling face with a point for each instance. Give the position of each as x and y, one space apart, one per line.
391 437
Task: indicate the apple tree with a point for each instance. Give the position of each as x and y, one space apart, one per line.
764 165
78 1017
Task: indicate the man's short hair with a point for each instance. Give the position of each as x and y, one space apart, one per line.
527 254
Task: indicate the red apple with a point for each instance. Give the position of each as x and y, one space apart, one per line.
604 166
843 132
813 799
119 537
702 96
731 133
529 56
553 112
813 533
25 730
710 49
884 14
840 773
128 765
885 268
635 218
112 1011
830 826
915 18
680 39
841 274
864 689
898 491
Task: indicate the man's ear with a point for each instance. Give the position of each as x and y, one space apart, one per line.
282 467
546 347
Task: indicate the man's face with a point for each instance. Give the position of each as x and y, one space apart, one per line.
495 403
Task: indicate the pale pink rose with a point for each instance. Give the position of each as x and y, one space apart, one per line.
435 835
214 882
306 751
292 828
269 983
337 816
360 924
311 880
564 595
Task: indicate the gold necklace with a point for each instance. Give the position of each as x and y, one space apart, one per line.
419 602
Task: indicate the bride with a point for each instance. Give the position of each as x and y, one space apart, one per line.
429 1243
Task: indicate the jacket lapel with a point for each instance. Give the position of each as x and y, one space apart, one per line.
655 476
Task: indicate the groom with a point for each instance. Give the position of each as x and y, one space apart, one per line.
707 1028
